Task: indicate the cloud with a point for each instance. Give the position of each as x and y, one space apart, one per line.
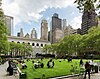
76 22
23 10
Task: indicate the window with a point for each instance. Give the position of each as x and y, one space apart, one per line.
28 43
23 42
18 42
33 44
37 44
12 41
41 45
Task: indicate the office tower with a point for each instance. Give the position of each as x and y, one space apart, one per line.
18 34
9 23
64 24
44 30
49 36
88 20
58 35
33 33
56 24
21 32
78 31
69 30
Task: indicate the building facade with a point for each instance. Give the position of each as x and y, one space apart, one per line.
64 24
56 23
89 19
20 34
44 30
37 44
9 23
33 34
69 30
58 35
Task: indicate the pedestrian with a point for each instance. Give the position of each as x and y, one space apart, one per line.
87 70
81 62
91 64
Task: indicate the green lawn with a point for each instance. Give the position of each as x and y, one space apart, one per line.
60 69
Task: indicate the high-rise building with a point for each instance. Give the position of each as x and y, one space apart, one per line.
58 35
69 30
20 34
49 36
78 31
44 30
88 20
56 23
64 24
33 33
9 23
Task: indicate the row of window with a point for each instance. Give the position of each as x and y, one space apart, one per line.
33 44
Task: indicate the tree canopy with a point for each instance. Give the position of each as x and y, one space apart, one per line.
87 4
4 45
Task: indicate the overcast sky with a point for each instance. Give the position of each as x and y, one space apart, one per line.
29 13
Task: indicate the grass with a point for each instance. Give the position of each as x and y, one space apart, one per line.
60 69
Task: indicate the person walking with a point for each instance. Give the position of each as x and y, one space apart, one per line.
87 70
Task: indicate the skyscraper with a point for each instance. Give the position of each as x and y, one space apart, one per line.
20 34
9 23
33 33
56 24
44 30
88 20
64 24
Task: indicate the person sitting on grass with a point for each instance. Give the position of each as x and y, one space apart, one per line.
23 65
50 63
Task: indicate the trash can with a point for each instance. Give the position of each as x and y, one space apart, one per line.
23 76
96 69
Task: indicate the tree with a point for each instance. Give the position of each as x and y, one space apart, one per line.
4 45
88 4
18 49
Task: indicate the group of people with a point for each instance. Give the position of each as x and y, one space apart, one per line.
38 64
88 67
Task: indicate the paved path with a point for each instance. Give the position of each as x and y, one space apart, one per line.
3 73
93 76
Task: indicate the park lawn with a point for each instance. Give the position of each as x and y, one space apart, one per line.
60 69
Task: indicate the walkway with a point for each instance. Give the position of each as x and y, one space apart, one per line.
3 73
93 76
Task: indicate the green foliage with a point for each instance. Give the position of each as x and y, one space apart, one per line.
4 45
87 4
20 49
